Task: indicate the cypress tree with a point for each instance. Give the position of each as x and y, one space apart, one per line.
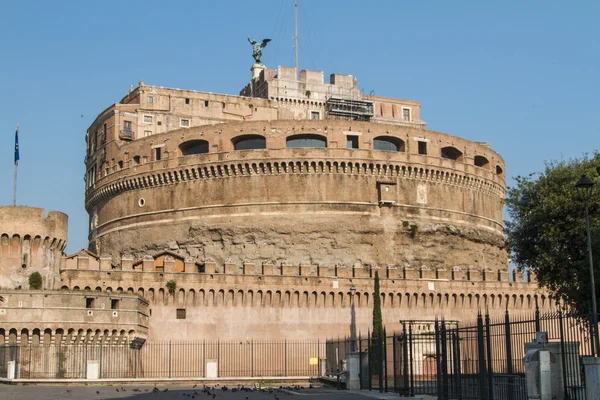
377 319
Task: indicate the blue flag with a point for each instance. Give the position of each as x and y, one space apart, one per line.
17 146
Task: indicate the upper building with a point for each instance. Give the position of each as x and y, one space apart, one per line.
291 171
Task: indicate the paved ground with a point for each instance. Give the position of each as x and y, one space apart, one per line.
183 392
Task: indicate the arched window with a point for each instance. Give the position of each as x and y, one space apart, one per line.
303 141
388 143
193 147
249 142
499 170
451 153
481 161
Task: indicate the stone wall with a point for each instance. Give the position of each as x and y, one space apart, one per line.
31 242
274 302
54 317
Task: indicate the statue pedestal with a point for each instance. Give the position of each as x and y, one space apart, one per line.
257 69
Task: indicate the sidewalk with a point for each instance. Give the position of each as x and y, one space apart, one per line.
390 395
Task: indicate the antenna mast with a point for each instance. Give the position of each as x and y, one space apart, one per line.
296 15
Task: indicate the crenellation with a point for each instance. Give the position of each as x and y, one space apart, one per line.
411 273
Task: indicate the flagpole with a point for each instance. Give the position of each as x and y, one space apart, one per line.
16 167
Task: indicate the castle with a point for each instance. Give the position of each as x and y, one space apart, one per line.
268 213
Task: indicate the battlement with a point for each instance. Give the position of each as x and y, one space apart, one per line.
168 262
30 241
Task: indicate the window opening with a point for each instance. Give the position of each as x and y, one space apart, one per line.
384 143
406 114
205 103
127 126
187 101
148 119
249 142
149 100
184 122
422 148
352 142
194 147
114 304
315 115
89 302
181 313
306 141
157 153
451 153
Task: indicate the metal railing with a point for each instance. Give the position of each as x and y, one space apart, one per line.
164 359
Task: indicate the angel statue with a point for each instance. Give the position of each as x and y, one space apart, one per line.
257 48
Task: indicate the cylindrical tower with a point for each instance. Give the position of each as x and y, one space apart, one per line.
319 192
29 242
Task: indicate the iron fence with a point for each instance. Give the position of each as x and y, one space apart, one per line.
483 360
164 359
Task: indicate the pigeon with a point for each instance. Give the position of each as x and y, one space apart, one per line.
214 395
166 390
97 392
194 386
117 389
68 391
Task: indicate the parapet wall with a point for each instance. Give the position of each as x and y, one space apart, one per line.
29 242
235 301
53 317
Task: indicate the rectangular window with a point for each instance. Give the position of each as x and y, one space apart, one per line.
148 119
205 103
406 114
422 148
136 160
184 123
181 313
315 115
187 101
127 126
147 133
157 154
114 304
149 99
351 142
89 302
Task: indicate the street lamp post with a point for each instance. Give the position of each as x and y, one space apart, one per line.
585 187
352 320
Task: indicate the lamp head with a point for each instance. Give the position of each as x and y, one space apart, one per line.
584 187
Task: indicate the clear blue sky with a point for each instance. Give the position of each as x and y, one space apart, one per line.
523 76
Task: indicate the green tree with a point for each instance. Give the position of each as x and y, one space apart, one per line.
171 286
35 281
546 231
377 319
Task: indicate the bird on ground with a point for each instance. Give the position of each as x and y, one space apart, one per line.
166 390
97 392
68 391
194 386
117 389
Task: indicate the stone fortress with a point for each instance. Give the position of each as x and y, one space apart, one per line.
271 211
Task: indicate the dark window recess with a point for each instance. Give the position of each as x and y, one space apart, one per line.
187 101
303 141
159 123
205 103
352 142
194 147
315 115
89 302
451 153
127 126
249 142
388 143
136 160
157 154
114 304
422 148
181 313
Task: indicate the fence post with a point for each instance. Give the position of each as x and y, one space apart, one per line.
457 371
285 357
563 356
29 373
369 358
444 360
380 360
360 363
537 317
252 355
385 367
169 358
59 363
483 393
405 367
410 360
490 371
438 356
394 361
100 366
509 361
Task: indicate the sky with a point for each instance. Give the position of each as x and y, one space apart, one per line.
520 75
